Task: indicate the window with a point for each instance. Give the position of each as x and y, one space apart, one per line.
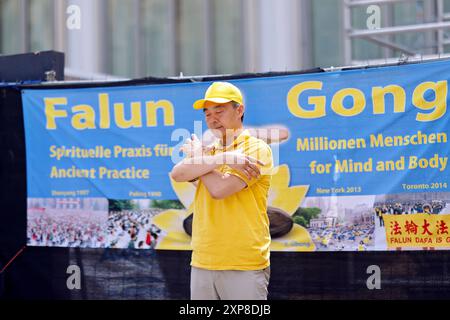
156 38
166 37
396 14
227 45
121 38
191 37
40 25
10 24
327 37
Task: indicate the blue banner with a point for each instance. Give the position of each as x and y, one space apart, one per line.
347 128
361 143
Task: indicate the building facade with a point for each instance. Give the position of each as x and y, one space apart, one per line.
139 38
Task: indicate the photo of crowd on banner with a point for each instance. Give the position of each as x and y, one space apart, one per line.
410 207
407 204
411 203
91 223
132 229
342 224
355 223
335 223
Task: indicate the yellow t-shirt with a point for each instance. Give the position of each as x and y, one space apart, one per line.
233 233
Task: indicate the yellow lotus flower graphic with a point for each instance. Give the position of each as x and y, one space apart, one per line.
283 202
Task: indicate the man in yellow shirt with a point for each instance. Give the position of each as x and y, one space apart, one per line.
230 230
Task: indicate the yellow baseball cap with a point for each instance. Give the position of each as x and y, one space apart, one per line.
220 92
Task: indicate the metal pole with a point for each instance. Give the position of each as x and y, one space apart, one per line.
400 29
440 32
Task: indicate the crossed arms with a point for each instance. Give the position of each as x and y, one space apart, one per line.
196 165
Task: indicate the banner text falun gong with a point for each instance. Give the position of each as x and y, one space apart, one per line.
356 132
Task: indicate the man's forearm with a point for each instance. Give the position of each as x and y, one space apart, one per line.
192 168
221 186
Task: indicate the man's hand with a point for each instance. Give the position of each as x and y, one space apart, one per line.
192 147
243 163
